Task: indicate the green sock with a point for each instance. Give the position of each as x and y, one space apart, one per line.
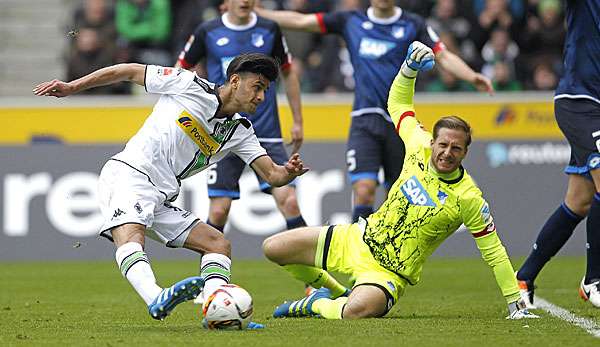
330 309
316 278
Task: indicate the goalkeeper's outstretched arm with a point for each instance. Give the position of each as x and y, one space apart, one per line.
400 99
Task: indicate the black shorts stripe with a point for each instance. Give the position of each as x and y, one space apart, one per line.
326 246
388 296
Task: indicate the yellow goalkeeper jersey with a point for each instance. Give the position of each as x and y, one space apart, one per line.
423 207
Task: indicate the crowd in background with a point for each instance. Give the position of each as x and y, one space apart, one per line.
516 43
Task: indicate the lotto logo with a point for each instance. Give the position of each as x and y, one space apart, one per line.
415 193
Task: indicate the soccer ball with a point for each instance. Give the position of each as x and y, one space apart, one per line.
228 307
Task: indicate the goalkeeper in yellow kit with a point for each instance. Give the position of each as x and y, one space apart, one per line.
433 196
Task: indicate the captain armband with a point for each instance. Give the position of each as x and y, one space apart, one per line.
490 228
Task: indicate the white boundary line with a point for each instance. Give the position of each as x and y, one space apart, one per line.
586 324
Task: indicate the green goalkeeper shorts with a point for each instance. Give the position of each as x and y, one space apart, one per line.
341 248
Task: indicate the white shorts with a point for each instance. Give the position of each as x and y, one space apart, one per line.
127 196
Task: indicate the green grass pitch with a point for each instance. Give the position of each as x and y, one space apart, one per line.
457 303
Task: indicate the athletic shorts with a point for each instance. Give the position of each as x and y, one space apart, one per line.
341 248
373 143
579 120
127 196
223 177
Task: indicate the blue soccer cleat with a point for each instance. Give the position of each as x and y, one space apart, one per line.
255 326
302 307
181 291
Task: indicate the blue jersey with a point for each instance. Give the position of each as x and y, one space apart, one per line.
581 77
219 41
377 49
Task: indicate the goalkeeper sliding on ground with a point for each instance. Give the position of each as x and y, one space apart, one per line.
433 196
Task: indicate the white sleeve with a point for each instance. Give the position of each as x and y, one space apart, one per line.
248 149
167 80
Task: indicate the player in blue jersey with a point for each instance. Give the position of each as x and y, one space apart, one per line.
577 111
217 42
377 40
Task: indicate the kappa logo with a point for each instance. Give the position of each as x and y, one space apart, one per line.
117 213
373 49
185 121
416 194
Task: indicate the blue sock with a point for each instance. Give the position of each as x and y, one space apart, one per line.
593 241
295 222
221 228
361 211
552 237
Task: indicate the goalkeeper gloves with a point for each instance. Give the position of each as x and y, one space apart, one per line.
418 58
517 310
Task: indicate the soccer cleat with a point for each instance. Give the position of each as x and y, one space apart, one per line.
199 300
302 307
168 298
255 326
590 292
526 290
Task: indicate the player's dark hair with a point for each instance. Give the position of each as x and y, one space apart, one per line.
452 122
256 63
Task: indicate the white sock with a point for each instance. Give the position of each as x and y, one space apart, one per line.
135 266
216 270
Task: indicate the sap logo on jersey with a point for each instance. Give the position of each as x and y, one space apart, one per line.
373 49
415 193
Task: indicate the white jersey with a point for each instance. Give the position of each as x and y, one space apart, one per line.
183 135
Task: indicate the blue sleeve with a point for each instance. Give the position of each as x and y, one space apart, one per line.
333 22
194 50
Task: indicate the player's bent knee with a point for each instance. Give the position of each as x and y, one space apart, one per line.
272 248
218 215
362 310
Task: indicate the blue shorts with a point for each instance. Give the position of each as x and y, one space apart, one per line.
373 143
223 177
579 120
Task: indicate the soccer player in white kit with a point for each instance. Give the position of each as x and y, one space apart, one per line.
193 124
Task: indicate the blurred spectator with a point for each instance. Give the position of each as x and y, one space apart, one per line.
446 82
146 25
454 30
187 14
97 15
90 53
500 48
544 77
494 14
543 37
503 78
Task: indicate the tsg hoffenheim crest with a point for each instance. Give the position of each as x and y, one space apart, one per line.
398 32
257 40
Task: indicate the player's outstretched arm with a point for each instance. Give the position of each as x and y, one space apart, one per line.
292 91
457 67
109 75
494 254
400 99
291 19
278 175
